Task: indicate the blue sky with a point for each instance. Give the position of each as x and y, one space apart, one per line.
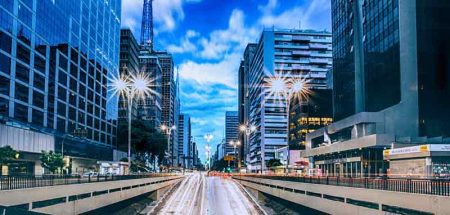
207 39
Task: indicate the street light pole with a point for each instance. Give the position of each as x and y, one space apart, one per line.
235 143
246 130
287 87
168 130
208 138
132 85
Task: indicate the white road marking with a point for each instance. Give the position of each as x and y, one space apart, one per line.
201 195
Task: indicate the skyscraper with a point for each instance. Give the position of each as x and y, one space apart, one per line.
243 93
168 97
55 61
231 131
184 141
302 54
391 83
150 108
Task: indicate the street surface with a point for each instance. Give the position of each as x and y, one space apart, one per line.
199 194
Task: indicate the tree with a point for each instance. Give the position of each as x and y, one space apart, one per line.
220 165
273 163
6 155
52 161
147 143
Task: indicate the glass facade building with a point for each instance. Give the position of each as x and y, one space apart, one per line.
56 58
401 83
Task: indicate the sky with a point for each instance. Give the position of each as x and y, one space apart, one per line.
207 39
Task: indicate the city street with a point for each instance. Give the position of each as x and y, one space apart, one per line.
199 194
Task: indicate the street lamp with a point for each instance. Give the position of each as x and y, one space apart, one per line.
208 138
286 88
132 86
246 130
235 143
168 131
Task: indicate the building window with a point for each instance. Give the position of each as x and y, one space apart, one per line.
21 112
4 85
21 92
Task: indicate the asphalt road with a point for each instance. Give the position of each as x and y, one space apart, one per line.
199 194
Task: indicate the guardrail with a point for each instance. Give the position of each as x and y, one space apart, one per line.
440 187
12 182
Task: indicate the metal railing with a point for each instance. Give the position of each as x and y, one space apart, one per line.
13 182
439 187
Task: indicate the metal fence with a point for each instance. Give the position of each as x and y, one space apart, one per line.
12 182
439 187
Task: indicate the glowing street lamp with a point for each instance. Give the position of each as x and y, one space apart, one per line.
235 143
208 138
283 87
168 131
132 86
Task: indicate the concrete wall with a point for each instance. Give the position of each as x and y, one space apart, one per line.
419 202
33 195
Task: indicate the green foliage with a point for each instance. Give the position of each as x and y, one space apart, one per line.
145 140
273 163
220 165
7 154
52 161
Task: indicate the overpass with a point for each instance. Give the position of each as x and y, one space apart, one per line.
76 195
354 196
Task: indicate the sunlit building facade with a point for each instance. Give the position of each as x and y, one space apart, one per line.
56 58
302 54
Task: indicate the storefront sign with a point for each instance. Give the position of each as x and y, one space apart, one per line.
418 149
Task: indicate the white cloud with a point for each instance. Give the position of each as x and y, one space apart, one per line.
306 16
166 14
185 44
223 72
220 42
226 46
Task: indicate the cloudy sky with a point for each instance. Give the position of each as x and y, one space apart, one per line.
207 39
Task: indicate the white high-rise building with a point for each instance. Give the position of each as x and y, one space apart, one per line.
294 53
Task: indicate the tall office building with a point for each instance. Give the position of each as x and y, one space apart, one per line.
290 53
231 131
184 141
243 92
391 83
129 64
169 100
55 61
150 108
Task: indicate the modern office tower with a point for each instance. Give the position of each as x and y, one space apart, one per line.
391 84
194 154
243 93
55 61
219 150
302 54
184 141
231 131
129 64
168 98
169 106
150 108
308 114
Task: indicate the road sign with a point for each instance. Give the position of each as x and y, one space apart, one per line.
228 158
